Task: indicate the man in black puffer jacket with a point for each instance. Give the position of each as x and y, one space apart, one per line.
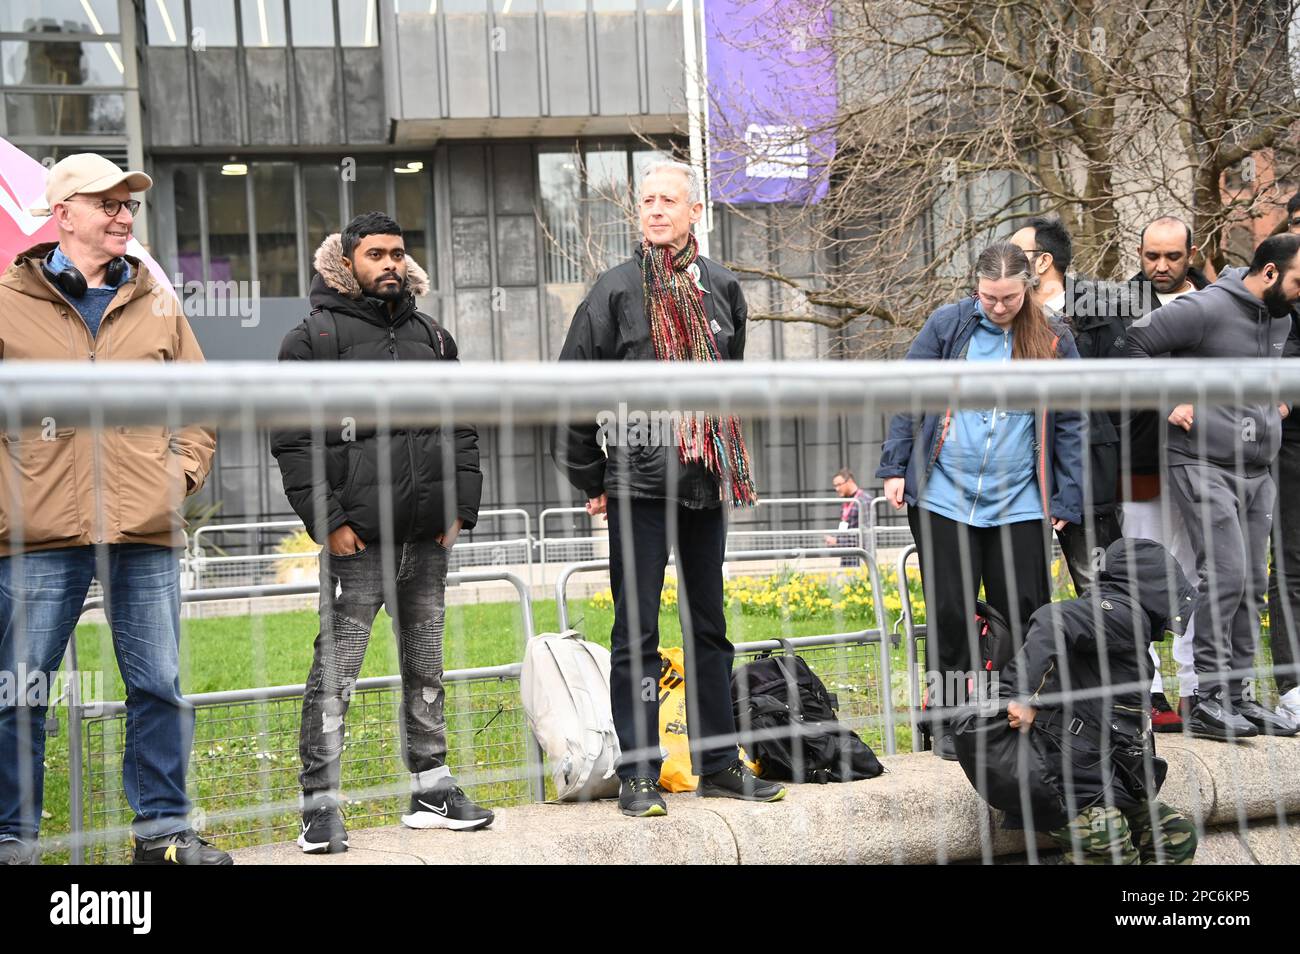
387 508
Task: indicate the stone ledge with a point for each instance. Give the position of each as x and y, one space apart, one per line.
922 811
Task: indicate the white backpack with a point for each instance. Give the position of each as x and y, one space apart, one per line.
565 690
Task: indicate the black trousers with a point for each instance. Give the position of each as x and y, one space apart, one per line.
640 533
1011 563
1082 544
1284 570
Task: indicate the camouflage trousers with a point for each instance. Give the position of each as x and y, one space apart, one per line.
1104 836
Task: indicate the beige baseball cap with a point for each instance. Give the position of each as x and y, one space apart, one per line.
85 172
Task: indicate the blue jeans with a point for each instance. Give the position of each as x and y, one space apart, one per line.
41 594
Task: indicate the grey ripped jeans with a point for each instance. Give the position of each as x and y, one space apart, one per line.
353 587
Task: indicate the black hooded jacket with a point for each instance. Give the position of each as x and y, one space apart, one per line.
1143 434
611 325
1087 659
431 483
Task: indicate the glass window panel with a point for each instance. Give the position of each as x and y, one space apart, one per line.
62 64
613 6
262 22
189 247
506 7
608 206
642 162
564 6
227 201
358 23
277 231
413 191
320 185
370 190
165 22
60 114
59 16
213 22
465 6
561 192
312 22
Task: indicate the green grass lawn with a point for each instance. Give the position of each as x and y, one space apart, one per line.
246 756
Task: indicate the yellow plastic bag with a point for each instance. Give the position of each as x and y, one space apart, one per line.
675 775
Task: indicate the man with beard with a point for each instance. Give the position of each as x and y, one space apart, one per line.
1165 252
1219 460
387 507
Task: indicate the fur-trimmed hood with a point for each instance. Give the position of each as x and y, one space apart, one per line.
328 262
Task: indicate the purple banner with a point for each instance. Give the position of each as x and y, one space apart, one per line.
772 99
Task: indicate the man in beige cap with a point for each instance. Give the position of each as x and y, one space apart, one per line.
78 504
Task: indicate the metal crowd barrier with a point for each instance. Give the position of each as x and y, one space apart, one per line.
863 532
197 561
77 708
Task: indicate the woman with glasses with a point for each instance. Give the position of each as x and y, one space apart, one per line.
984 486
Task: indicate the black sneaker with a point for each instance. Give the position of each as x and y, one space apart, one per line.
17 852
446 807
1266 721
182 848
322 828
640 798
1214 718
737 781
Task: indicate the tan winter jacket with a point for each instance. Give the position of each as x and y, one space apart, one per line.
66 486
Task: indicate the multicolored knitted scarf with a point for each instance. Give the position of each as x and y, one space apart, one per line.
679 328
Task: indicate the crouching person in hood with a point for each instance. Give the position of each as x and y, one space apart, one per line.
386 506
1077 690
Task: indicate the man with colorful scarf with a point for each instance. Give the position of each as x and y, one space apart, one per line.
665 485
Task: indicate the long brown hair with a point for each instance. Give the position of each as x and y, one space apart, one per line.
1032 338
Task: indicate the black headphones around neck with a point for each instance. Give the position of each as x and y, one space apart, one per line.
73 283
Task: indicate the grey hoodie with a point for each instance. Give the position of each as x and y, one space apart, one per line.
1223 320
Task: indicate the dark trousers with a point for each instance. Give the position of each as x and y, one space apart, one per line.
1284 576
640 533
1083 544
1010 561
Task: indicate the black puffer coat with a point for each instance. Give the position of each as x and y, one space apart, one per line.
611 325
1087 659
431 484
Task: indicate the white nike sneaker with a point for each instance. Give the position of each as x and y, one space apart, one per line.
446 807
1289 705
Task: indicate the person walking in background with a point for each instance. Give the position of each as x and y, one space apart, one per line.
984 486
856 507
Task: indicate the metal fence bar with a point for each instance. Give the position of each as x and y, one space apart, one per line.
911 633
76 708
231 393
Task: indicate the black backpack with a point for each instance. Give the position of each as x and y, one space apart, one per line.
788 725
